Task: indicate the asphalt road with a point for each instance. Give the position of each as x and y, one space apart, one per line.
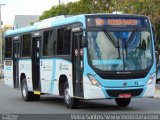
11 102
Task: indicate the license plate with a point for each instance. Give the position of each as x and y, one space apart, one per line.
126 95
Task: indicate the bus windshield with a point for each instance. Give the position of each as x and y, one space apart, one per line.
120 50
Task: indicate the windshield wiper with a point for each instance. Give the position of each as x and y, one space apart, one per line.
113 41
131 38
125 46
129 41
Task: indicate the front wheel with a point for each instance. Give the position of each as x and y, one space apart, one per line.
123 102
68 100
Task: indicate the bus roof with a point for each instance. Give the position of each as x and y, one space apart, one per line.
62 20
47 23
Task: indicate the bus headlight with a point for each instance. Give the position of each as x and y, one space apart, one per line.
151 80
93 80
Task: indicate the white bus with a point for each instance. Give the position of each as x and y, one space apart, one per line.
94 56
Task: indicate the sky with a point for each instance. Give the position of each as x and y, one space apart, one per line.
25 7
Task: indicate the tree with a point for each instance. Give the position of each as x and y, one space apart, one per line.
80 7
150 8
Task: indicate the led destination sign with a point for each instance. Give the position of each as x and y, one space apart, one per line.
117 22
98 22
122 22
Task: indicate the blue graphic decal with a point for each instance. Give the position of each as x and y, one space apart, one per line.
8 68
51 89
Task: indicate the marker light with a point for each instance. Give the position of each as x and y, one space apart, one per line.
151 80
93 80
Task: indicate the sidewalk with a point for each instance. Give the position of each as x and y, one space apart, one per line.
157 94
1 80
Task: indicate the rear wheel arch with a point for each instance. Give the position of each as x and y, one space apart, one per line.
62 80
27 95
23 75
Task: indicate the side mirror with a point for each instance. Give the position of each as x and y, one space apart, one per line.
84 42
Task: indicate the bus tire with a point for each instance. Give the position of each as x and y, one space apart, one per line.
70 102
26 95
123 102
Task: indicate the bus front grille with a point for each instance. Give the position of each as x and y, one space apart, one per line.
133 92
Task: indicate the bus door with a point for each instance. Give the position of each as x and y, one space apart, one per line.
36 63
16 55
77 58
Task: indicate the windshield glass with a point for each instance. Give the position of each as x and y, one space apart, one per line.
119 51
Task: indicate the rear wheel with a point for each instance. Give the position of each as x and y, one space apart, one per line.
68 100
123 102
28 95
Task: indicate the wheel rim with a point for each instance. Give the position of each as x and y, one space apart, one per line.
67 95
24 90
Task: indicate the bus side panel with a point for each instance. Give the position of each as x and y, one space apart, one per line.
47 80
64 67
25 67
150 89
8 72
50 71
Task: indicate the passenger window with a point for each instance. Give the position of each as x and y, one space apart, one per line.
64 41
8 47
49 43
26 45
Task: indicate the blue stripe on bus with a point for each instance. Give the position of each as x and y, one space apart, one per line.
51 89
21 30
87 68
74 19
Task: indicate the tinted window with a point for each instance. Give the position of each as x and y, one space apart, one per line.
63 41
49 43
26 45
8 47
